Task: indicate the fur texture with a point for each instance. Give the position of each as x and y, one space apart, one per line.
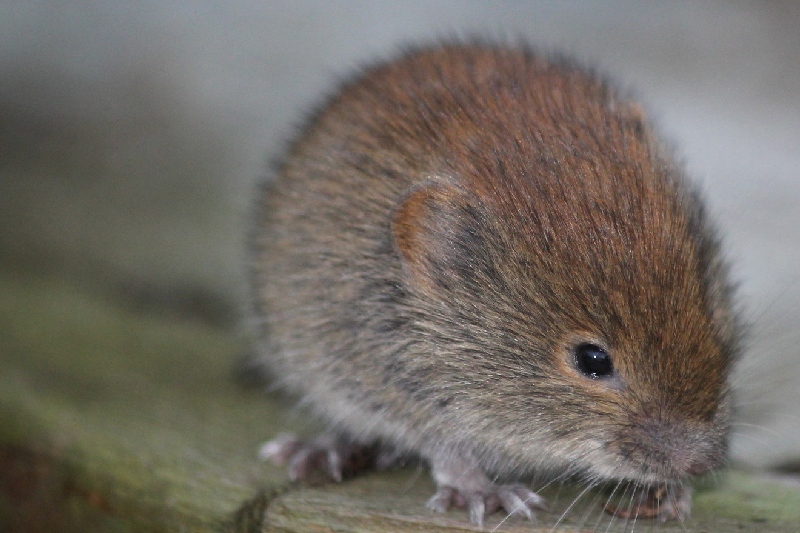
451 226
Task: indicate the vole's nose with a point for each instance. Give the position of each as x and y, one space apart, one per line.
697 468
673 446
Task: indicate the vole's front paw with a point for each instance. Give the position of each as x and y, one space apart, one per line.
514 499
462 483
662 502
327 455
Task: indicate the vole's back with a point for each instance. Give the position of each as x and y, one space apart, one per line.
446 231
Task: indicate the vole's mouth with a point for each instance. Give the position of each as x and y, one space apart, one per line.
652 468
625 472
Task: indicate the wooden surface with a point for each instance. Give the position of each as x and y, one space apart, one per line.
116 421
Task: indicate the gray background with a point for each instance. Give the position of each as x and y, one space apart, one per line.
131 134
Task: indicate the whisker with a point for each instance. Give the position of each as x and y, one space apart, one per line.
759 318
574 501
608 501
760 427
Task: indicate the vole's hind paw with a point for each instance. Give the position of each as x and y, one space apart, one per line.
327 454
514 499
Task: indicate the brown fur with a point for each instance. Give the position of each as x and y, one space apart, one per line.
445 232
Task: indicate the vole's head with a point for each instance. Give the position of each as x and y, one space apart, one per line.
574 339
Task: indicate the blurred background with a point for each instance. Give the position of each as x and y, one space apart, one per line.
132 133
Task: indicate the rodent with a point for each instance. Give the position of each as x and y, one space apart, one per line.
483 255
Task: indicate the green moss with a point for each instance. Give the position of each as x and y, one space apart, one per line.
138 409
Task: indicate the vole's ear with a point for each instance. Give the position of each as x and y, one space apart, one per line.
436 231
632 110
634 118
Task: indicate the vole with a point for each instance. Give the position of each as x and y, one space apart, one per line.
483 256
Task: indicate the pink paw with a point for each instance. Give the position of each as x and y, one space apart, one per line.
514 499
661 502
306 459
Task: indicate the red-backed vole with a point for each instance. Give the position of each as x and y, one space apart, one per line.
483 256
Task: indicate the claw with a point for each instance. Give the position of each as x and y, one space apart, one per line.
442 500
335 464
530 498
300 463
328 455
280 449
514 504
515 499
477 508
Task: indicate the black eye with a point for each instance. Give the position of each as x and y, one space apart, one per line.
593 361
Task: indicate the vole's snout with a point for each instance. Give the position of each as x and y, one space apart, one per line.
689 458
672 447
679 449
700 467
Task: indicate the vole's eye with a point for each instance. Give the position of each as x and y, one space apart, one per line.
593 361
